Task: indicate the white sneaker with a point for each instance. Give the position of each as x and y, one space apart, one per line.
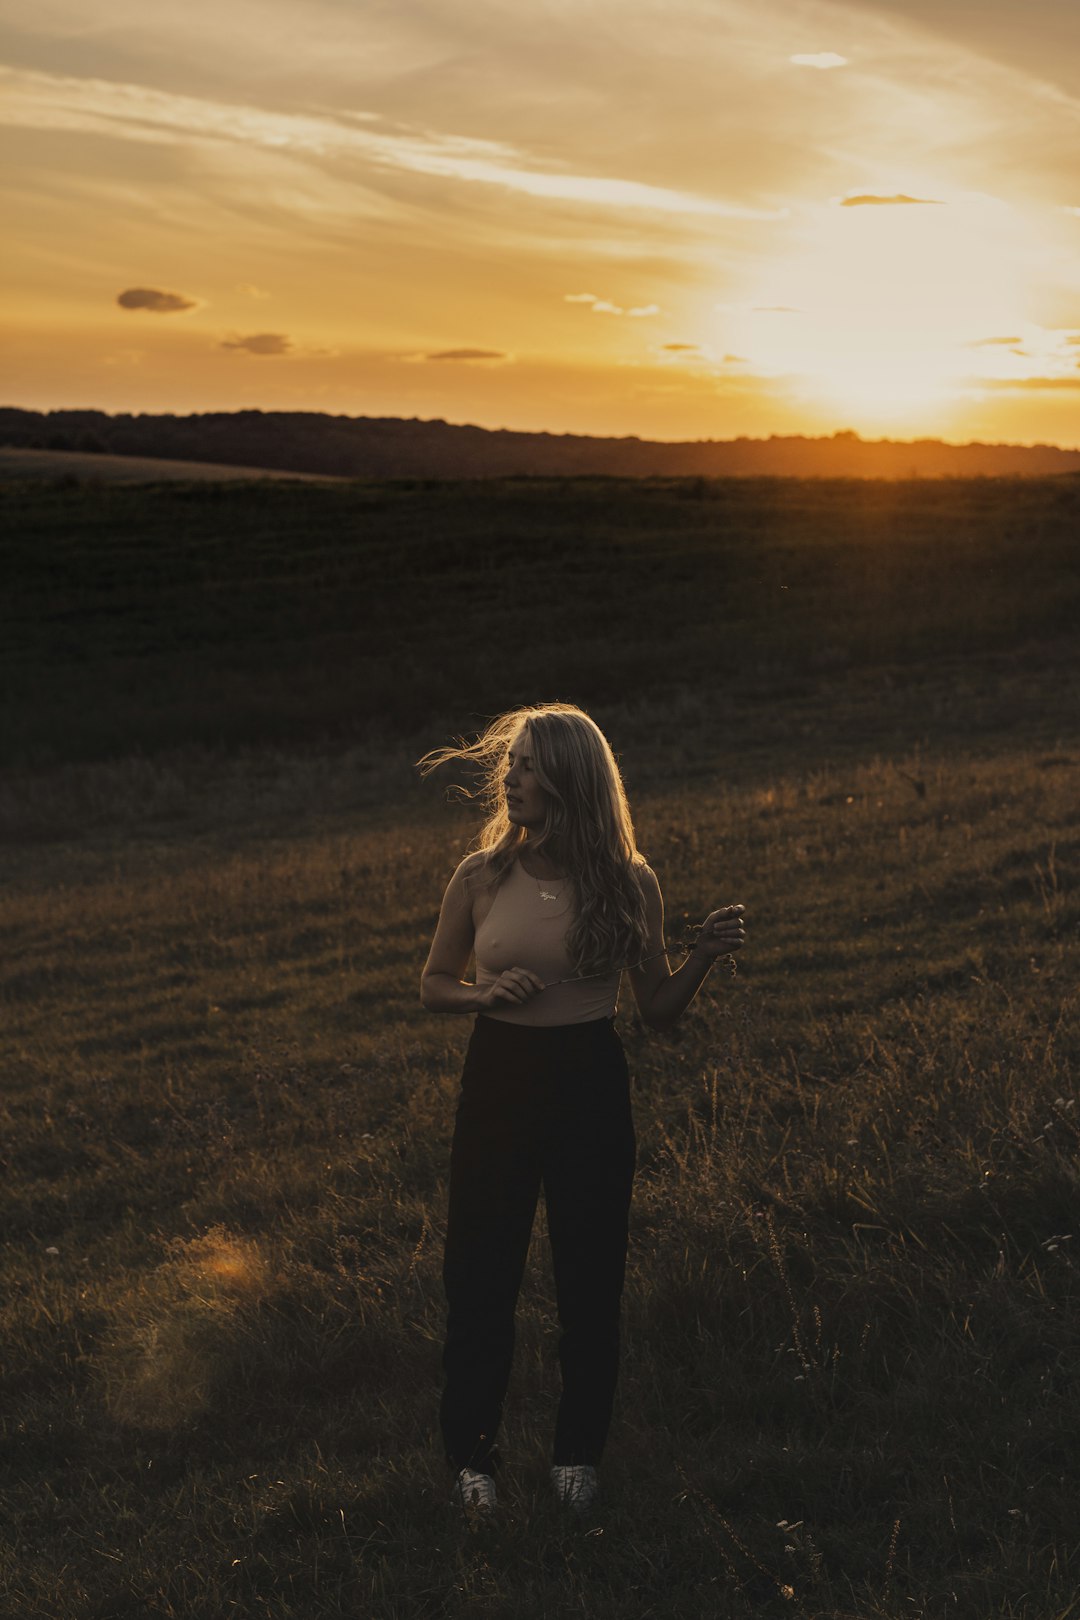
575 1485
475 1491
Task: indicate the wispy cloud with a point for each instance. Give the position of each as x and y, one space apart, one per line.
134 112
991 342
467 354
869 200
604 306
1028 384
819 59
261 343
156 301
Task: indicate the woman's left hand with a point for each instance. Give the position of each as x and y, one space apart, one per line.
722 932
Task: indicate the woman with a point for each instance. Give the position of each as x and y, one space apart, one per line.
554 904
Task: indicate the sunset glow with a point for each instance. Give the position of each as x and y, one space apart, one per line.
678 220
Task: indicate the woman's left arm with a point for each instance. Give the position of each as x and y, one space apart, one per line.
662 996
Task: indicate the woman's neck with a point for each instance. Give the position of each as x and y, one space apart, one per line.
537 864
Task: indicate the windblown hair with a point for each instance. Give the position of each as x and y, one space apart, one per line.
588 832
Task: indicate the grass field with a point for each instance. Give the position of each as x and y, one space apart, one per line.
850 1380
73 467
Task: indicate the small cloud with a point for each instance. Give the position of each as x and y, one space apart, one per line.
775 309
604 306
249 290
467 354
1071 210
159 303
261 343
987 343
871 201
1073 340
820 59
680 348
736 360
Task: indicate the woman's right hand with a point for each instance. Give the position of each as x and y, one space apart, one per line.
515 987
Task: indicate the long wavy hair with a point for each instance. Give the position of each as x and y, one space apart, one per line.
588 832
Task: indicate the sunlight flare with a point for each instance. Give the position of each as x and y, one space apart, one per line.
877 310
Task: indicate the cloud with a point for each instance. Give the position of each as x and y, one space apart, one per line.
159 303
869 200
604 306
261 343
35 100
736 360
467 354
775 309
822 59
1027 383
680 348
987 343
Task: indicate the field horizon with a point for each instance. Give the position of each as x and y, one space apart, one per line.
850 1384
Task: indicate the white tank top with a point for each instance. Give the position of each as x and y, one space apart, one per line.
522 929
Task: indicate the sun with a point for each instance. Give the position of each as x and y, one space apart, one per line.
876 311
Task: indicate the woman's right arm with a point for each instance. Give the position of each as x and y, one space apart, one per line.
441 986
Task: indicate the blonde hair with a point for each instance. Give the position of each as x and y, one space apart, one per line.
588 832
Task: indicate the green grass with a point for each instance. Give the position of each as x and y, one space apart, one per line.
850 1382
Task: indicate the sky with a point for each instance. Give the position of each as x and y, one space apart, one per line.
680 219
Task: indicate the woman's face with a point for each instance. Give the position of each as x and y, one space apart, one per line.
526 801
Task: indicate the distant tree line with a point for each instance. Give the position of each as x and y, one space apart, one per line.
393 447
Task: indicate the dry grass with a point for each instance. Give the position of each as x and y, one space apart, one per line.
85 467
850 1377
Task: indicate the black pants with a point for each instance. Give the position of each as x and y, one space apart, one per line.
548 1105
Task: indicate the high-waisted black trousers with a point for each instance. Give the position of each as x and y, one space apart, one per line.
538 1105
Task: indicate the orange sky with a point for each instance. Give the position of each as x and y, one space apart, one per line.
673 218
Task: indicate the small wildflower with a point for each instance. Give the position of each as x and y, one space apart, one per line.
52 1249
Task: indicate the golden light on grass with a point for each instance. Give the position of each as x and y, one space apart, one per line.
181 1334
221 1268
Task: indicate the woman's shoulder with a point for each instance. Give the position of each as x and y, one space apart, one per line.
474 868
645 874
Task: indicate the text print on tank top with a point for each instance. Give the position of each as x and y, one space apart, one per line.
521 929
